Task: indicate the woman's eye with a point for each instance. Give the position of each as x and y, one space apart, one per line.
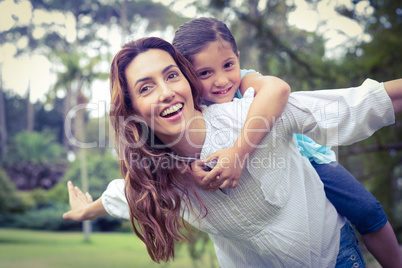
173 75
144 89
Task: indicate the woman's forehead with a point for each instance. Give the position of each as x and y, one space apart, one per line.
148 64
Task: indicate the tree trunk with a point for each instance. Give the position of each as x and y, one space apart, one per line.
30 110
123 22
3 123
80 136
66 109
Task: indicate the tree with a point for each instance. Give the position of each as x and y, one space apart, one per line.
277 48
3 123
35 160
10 201
379 158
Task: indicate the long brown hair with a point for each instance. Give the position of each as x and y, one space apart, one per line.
157 184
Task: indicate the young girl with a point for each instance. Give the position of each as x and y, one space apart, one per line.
275 217
209 45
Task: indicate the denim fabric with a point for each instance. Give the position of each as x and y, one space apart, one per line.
350 198
349 253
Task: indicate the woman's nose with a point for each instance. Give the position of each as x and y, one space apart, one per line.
166 94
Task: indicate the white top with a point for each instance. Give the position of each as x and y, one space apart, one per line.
278 215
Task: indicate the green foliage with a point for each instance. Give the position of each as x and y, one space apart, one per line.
35 160
36 148
381 58
101 170
46 217
42 210
7 192
98 130
10 199
49 120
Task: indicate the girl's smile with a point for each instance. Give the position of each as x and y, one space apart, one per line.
218 68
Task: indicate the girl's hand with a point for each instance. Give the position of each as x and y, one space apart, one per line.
199 171
79 202
229 167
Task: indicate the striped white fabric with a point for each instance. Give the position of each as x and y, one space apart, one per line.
278 215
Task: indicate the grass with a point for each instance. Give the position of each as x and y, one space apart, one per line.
34 249
23 248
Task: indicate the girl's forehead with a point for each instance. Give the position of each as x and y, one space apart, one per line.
219 45
215 53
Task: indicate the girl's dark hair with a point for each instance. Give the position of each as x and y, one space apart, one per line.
193 36
156 183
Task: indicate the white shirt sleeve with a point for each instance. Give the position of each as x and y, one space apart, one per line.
114 200
341 116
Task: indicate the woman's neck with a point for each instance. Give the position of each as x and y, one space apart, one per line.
192 141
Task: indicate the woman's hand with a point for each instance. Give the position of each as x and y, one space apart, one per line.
79 203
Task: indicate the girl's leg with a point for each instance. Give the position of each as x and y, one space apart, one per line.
383 244
349 253
352 200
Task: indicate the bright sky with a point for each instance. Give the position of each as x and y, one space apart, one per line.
16 72
330 25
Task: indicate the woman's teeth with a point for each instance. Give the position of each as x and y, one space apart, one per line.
172 109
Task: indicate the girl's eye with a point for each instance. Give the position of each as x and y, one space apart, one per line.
228 64
203 74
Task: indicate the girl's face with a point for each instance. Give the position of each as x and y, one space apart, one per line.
160 93
218 69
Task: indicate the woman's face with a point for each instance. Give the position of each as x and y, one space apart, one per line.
218 69
160 94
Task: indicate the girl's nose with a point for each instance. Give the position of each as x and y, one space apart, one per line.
221 80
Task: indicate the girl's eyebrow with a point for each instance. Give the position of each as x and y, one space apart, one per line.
230 58
206 68
149 78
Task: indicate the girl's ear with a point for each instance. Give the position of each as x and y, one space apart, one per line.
238 54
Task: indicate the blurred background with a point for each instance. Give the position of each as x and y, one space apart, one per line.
54 100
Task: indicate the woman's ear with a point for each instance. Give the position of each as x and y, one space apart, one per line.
238 54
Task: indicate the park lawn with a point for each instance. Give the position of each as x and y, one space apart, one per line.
25 248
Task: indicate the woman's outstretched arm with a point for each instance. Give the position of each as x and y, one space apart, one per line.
394 90
82 205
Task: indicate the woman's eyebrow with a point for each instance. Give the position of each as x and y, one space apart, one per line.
166 69
142 80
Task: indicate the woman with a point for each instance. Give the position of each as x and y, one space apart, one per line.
278 214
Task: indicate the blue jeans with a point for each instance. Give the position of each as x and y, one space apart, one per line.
350 198
349 253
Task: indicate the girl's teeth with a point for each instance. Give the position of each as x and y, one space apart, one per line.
221 92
